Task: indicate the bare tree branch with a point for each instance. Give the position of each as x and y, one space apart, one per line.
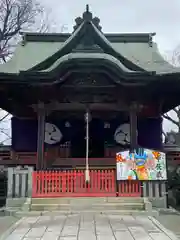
16 15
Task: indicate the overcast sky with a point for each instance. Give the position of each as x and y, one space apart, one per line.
119 16
160 16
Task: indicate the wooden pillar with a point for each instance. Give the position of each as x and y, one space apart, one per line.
40 137
133 127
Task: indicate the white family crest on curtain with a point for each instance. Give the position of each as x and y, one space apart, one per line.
122 134
53 134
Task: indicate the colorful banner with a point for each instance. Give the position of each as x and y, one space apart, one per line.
144 164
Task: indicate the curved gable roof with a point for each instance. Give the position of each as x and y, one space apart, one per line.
77 38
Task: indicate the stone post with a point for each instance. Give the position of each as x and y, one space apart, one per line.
30 172
10 183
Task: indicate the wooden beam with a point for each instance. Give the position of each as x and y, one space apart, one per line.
56 106
40 137
61 162
96 87
133 126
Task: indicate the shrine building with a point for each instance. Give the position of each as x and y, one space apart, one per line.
53 80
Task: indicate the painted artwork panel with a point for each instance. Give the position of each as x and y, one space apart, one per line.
144 164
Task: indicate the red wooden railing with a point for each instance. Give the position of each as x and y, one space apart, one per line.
72 183
129 188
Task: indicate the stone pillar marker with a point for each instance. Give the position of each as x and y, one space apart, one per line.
10 183
30 184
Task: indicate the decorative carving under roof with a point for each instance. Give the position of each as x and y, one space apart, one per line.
87 17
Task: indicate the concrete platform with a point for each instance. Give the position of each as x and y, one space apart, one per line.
88 226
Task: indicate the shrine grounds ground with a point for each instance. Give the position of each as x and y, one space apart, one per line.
171 222
106 227
6 222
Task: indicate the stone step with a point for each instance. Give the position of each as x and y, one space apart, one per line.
86 200
85 207
20 214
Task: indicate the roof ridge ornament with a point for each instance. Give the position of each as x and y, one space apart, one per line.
87 7
151 35
87 17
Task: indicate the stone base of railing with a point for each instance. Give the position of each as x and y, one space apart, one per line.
147 205
27 205
15 202
160 202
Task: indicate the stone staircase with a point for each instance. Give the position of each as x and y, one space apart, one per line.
115 205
